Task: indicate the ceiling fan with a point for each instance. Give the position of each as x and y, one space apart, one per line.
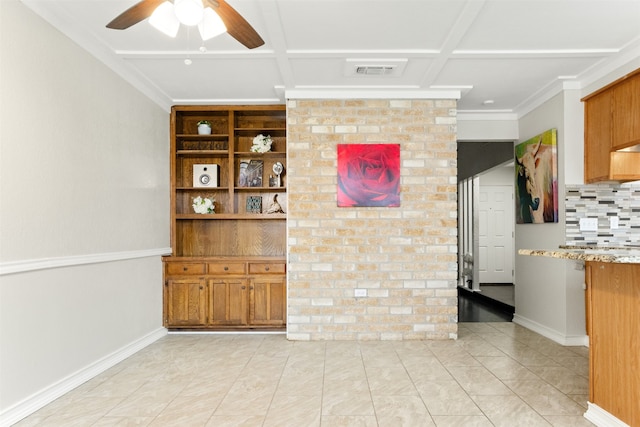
235 24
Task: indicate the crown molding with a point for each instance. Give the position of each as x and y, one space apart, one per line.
369 93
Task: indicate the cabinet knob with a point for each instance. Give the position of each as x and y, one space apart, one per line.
201 287
251 288
226 268
266 269
185 268
244 287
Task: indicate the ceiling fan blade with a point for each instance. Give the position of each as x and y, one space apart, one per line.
237 26
134 14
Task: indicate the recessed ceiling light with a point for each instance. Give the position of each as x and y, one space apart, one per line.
488 102
567 77
187 61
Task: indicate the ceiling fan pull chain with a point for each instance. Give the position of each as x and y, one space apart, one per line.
188 60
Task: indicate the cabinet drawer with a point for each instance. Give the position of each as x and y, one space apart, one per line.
267 268
226 268
175 268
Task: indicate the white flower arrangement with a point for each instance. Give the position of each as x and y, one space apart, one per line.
204 205
261 144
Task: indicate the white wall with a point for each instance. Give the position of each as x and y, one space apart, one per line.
83 213
573 135
500 175
548 294
472 128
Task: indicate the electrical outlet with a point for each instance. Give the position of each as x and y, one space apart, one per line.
588 224
614 222
360 293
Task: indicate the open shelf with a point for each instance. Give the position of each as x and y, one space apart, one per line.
205 217
229 144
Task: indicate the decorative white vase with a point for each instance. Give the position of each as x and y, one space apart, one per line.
204 130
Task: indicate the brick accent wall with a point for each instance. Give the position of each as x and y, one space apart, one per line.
405 257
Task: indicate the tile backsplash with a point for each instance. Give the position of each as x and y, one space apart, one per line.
603 201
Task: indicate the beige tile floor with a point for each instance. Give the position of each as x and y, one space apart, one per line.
495 374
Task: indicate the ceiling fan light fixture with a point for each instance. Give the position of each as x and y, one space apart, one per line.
189 12
164 19
211 25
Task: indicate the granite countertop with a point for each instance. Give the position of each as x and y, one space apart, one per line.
622 255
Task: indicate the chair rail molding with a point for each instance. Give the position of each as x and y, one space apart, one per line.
24 266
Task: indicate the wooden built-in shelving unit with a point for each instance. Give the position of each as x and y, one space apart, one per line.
228 268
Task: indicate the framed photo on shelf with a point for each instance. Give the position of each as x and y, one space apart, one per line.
254 204
250 174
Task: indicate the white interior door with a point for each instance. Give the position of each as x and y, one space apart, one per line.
495 229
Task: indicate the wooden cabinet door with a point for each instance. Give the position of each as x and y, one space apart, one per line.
626 113
597 137
186 302
614 342
268 300
229 299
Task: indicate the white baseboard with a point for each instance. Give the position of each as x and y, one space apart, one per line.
50 393
602 418
243 333
567 340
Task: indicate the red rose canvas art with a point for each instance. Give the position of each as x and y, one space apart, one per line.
368 175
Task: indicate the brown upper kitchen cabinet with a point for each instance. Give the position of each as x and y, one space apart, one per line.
228 267
625 113
612 131
597 132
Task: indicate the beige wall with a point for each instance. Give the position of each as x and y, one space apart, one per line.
84 214
549 297
405 257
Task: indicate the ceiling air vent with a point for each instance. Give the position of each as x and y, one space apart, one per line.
375 70
375 67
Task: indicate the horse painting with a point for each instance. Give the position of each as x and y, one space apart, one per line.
536 174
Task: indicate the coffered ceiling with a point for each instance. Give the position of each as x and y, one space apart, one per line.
501 55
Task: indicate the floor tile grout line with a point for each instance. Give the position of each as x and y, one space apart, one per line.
213 414
366 376
275 390
324 376
510 389
414 384
537 376
467 392
513 391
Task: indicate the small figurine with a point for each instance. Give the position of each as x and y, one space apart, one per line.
278 168
275 206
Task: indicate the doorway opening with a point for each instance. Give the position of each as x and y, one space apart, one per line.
486 289
486 232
